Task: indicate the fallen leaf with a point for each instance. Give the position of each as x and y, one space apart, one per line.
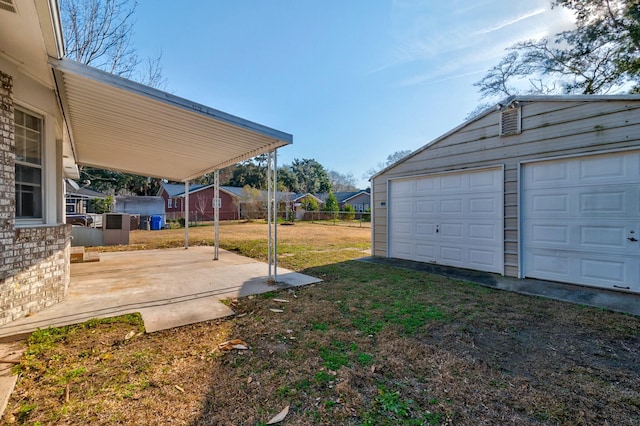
129 335
249 380
241 315
233 344
281 300
279 417
276 310
179 388
373 368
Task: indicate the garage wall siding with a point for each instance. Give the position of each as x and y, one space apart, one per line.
550 128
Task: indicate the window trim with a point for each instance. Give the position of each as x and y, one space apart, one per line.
25 220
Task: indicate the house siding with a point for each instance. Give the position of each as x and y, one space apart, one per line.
35 269
549 129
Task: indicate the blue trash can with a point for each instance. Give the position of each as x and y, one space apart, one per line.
156 223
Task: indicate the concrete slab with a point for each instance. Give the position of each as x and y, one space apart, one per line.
7 383
183 313
618 301
133 281
8 351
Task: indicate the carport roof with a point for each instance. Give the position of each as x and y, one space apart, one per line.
118 124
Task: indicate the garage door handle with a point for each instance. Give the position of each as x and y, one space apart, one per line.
633 240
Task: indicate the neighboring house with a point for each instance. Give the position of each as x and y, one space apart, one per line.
172 196
78 198
359 200
56 114
541 187
234 202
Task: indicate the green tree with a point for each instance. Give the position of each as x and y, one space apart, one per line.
248 173
601 54
349 212
331 205
101 205
310 204
311 176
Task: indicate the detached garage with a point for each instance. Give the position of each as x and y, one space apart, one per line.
538 187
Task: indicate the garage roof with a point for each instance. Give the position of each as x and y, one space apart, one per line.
118 124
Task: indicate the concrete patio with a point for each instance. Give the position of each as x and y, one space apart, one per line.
169 287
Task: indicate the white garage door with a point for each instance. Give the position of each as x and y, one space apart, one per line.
581 220
451 219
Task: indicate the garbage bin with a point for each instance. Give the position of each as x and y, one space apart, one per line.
156 223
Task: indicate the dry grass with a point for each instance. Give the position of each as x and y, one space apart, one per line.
372 345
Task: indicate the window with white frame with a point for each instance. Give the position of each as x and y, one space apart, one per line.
29 165
169 202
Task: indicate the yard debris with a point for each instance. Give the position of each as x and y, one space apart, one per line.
129 335
179 388
276 310
279 417
281 300
233 344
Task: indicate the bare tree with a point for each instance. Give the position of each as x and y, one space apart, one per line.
201 206
342 182
98 33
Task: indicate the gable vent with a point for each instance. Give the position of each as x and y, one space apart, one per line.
510 121
7 5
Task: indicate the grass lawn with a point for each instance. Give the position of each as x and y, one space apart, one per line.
371 345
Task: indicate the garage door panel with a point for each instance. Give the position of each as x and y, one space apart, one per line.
604 271
482 231
452 255
550 173
425 252
451 230
482 258
550 234
425 207
453 206
602 236
425 229
458 220
550 203
602 201
580 229
597 168
452 182
483 206
484 181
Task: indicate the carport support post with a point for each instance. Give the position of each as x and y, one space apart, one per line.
272 214
186 215
216 214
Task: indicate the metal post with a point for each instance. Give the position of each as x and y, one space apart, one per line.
275 209
216 214
186 215
269 214
272 215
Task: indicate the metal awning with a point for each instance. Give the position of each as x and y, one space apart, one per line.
118 124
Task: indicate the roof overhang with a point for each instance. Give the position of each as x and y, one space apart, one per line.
118 124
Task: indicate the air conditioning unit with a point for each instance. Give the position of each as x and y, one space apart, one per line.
115 228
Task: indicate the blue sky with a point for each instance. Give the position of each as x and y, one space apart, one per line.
353 81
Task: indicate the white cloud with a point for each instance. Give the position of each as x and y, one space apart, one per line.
511 21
